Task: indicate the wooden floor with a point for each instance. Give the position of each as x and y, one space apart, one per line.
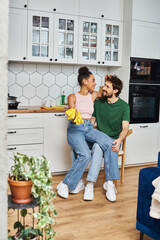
98 219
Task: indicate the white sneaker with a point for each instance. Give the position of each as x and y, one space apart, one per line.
89 192
62 190
80 186
110 191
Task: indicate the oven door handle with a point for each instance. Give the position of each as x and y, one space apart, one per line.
144 126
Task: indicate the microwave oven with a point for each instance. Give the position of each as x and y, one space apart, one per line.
145 71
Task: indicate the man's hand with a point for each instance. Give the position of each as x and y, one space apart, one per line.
116 145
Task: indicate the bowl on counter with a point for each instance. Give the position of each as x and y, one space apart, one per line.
13 104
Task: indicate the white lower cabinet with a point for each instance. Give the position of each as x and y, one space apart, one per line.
56 148
28 149
142 144
25 135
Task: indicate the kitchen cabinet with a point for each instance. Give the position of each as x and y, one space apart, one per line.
52 37
18 3
61 37
40 36
111 43
56 148
145 40
59 6
146 10
142 144
108 9
25 135
100 41
17 43
65 38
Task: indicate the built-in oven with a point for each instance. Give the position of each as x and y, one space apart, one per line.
144 103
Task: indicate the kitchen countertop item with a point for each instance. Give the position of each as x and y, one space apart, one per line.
37 109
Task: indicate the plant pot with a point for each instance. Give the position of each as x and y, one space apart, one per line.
20 191
17 237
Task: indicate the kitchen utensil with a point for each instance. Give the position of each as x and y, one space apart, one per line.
12 97
12 104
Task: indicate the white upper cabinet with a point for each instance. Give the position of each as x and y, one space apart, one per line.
53 32
111 52
17 43
65 38
145 40
89 40
18 3
146 10
108 9
100 41
52 37
40 36
59 6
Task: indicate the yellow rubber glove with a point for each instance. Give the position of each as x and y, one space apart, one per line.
71 115
78 120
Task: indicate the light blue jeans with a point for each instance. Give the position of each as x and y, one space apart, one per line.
110 163
77 135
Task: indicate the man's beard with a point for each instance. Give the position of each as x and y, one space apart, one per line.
104 94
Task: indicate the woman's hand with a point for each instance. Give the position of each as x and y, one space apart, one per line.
107 77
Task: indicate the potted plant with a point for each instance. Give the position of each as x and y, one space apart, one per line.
37 170
19 181
24 232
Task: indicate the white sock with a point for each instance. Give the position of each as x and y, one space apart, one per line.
90 184
110 182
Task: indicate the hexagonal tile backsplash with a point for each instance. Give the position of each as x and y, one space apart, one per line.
38 84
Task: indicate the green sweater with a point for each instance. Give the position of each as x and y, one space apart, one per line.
109 116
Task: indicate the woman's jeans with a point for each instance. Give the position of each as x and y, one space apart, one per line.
77 135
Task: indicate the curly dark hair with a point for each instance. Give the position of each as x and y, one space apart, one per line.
116 83
83 73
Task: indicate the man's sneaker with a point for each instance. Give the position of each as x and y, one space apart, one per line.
89 192
62 190
110 191
80 186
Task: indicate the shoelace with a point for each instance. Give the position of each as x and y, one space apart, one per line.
113 187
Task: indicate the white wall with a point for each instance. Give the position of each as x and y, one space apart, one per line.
3 118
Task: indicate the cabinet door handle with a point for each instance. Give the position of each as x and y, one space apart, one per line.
59 115
12 116
12 132
144 126
14 148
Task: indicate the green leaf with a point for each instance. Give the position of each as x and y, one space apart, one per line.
37 215
18 225
23 212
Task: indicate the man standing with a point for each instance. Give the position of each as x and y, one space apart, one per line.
112 115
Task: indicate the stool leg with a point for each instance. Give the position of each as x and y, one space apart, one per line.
141 235
122 169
